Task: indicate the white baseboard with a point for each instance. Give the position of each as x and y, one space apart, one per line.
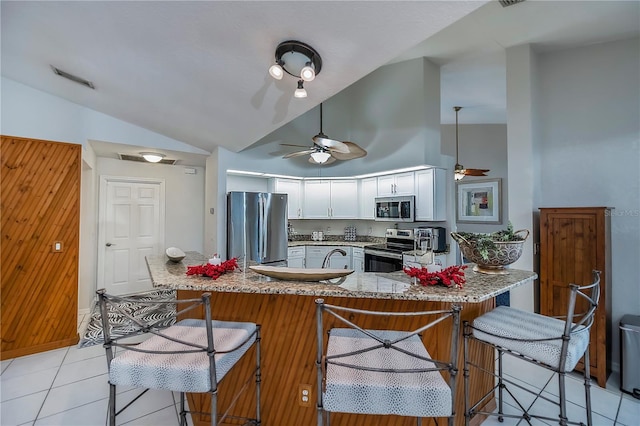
84 311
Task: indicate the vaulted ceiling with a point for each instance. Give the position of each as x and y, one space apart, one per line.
197 71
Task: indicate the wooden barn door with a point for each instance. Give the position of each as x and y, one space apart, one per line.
40 203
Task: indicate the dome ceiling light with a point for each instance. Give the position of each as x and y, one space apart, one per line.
299 60
152 157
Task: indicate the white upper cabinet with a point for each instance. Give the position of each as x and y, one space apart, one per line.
293 189
368 193
331 199
397 184
344 199
431 185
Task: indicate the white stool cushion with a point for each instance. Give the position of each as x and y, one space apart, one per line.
181 372
516 324
349 390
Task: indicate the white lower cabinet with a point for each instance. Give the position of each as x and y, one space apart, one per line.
296 257
358 259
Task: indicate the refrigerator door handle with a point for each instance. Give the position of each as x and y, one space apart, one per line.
263 231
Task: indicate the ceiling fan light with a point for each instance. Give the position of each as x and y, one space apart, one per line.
300 91
276 71
320 156
152 157
307 73
458 172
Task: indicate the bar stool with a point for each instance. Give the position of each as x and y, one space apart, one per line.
383 372
554 343
190 356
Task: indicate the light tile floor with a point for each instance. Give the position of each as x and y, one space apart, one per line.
69 387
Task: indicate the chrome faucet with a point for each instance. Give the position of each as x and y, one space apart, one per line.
326 258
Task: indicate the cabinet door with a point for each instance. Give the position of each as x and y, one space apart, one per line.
368 194
293 189
386 185
338 261
358 259
344 196
404 184
295 262
573 242
315 256
430 194
317 199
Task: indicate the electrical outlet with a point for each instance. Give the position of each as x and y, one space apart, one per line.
304 395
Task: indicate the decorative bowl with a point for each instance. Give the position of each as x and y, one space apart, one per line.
503 253
175 254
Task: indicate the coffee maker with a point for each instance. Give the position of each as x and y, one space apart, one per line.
438 236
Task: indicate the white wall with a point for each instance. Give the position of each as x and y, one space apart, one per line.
590 150
184 194
480 146
31 113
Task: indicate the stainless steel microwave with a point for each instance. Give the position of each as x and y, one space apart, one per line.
395 209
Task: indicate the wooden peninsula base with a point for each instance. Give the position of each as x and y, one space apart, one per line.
286 311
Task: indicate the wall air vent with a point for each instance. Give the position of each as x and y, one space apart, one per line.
72 77
506 3
139 159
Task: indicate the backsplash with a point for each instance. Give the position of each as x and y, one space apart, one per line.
360 238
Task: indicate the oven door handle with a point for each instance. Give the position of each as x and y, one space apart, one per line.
384 254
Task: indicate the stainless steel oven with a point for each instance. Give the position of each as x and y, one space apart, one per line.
387 257
381 261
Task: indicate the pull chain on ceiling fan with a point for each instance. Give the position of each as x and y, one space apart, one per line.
459 170
326 150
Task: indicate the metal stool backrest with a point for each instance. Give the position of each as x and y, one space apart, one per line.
134 326
582 321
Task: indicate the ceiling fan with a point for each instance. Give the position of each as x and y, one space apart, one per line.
326 150
459 170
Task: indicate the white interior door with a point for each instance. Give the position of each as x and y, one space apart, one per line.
131 227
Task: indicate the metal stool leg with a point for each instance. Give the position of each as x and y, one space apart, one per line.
501 387
587 386
112 405
183 411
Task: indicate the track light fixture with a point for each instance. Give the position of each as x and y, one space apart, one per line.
299 60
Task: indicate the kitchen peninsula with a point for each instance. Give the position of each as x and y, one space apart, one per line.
286 311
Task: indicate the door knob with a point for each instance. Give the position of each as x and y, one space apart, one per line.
109 244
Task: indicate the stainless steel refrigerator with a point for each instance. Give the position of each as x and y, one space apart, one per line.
257 227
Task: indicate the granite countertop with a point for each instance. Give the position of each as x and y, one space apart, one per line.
394 285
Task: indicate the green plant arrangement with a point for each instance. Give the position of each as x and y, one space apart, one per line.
492 251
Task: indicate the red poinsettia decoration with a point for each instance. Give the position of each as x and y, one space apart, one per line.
453 276
213 271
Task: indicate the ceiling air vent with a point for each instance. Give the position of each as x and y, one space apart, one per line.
139 159
506 3
72 77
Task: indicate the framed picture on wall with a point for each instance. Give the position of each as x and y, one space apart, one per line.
479 201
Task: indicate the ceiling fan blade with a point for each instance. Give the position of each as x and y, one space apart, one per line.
331 144
299 146
298 153
476 172
329 161
355 151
